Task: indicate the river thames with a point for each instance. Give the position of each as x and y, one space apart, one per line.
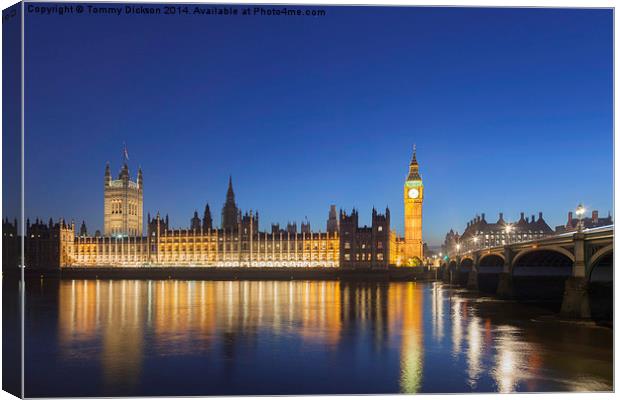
171 337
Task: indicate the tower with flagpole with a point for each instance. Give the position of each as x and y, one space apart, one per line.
123 201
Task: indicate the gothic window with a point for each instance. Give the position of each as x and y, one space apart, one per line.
380 229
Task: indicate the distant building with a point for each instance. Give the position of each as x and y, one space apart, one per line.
156 224
332 220
480 234
122 210
305 227
83 230
10 245
291 228
195 223
413 198
48 246
237 242
365 247
572 224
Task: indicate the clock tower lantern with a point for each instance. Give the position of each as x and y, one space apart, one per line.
413 198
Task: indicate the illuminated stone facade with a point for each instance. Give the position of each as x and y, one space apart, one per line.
243 247
238 241
413 196
122 204
368 246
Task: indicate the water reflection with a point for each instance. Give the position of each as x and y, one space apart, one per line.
474 351
408 302
304 337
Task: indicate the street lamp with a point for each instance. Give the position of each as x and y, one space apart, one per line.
580 211
508 229
475 241
458 248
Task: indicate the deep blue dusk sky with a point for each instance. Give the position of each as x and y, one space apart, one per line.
511 110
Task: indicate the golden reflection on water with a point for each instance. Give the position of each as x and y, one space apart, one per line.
123 323
405 304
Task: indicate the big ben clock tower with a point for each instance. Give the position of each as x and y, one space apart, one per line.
413 198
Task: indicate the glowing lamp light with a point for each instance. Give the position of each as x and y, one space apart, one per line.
580 211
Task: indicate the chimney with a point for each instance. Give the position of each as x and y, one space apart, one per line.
522 215
482 218
540 216
570 219
595 216
501 216
533 219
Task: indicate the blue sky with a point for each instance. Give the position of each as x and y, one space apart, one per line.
511 110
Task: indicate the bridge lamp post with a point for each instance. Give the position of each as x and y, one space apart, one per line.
580 211
458 248
475 241
508 229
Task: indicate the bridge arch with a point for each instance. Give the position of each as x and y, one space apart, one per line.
467 263
556 249
492 260
465 267
490 265
600 285
539 274
596 257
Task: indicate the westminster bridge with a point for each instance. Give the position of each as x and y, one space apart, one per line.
573 270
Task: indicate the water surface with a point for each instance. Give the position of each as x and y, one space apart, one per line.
139 337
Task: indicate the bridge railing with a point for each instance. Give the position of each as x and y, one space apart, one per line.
588 231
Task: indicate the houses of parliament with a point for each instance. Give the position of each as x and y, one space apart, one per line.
238 241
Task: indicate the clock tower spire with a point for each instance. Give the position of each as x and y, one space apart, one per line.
413 197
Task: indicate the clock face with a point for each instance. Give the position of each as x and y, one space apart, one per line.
413 193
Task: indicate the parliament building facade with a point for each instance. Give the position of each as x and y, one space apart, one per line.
238 241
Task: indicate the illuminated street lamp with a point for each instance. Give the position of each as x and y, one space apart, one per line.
458 248
508 229
475 239
580 211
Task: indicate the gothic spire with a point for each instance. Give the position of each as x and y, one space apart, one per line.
230 194
414 174
206 220
107 178
414 160
230 212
